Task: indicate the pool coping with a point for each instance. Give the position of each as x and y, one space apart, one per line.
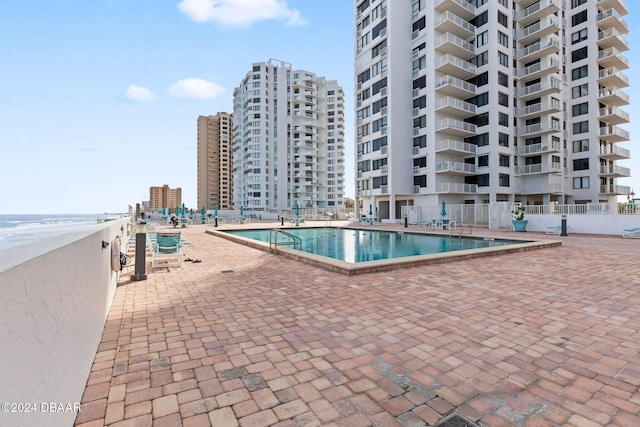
348 268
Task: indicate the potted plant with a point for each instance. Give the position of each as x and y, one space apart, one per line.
519 223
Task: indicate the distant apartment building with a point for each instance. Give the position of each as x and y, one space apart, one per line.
164 197
215 161
489 100
288 139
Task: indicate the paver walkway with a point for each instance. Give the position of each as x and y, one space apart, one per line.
540 338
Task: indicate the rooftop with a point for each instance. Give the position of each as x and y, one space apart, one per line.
538 338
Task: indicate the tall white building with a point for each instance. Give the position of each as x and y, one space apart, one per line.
489 100
288 139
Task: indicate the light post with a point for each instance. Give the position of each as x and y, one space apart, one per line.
141 251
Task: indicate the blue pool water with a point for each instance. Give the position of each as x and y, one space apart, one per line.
357 245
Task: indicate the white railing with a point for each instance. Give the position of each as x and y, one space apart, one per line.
613 111
456 124
449 16
613 131
538 168
538 148
450 101
536 7
611 13
554 104
549 21
455 187
613 92
550 83
454 81
463 4
613 72
615 170
453 166
612 32
612 52
614 150
455 145
452 38
551 126
458 62
539 66
542 44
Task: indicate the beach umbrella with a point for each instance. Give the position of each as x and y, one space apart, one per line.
443 212
168 211
177 210
202 211
370 209
297 209
215 210
183 209
241 210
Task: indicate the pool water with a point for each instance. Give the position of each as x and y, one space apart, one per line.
357 245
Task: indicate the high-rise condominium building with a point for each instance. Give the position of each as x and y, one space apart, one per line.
288 139
489 100
215 161
164 197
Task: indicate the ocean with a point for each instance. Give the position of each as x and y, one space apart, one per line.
17 230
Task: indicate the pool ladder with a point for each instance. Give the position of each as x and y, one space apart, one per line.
273 240
462 227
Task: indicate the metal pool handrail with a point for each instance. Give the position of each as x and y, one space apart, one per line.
273 242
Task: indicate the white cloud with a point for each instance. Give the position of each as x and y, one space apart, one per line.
239 13
139 94
195 88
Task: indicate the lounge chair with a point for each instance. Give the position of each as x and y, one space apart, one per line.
553 229
168 251
633 233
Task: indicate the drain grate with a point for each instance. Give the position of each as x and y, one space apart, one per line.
226 271
455 421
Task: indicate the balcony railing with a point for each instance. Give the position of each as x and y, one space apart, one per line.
613 54
547 42
453 166
615 170
539 168
546 63
619 19
536 7
552 104
551 126
612 150
455 145
613 72
457 62
538 148
551 83
622 190
613 131
454 187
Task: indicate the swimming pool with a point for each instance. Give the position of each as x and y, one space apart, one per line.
358 245
355 250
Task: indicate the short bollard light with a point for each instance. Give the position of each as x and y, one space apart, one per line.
141 252
563 225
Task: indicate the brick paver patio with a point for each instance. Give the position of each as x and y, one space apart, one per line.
245 338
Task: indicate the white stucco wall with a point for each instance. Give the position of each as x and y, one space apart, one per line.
585 224
55 295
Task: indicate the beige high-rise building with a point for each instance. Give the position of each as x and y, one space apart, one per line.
164 197
215 161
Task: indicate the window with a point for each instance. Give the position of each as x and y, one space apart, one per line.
482 39
579 18
420 122
503 99
479 120
576 3
420 102
379 124
379 104
503 119
581 182
502 19
379 67
503 180
479 80
379 49
579 36
503 139
579 54
580 145
479 140
483 180
580 127
503 39
580 109
364 76
379 142
420 82
375 88
420 141
504 160
379 181
419 64
503 79
578 91
419 24
580 72
503 59
481 19
483 161
417 6
479 100
581 164
375 32
481 59
420 181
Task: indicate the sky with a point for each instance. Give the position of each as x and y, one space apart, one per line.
99 99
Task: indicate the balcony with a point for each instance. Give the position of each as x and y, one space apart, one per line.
449 22
536 11
545 87
455 107
612 57
456 127
454 66
450 43
613 134
548 106
614 171
546 46
612 77
453 86
545 66
613 115
613 97
453 146
618 5
536 149
538 128
457 168
614 152
540 188
611 19
620 190
546 26
461 8
612 38
539 168
456 188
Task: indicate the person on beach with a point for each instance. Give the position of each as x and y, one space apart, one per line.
174 221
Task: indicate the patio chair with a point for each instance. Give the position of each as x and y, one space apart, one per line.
168 252
633 233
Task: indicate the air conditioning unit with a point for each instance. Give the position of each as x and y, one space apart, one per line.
416 189
383 91
383 150
416 131
416 112
383 111
416 150
416 92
